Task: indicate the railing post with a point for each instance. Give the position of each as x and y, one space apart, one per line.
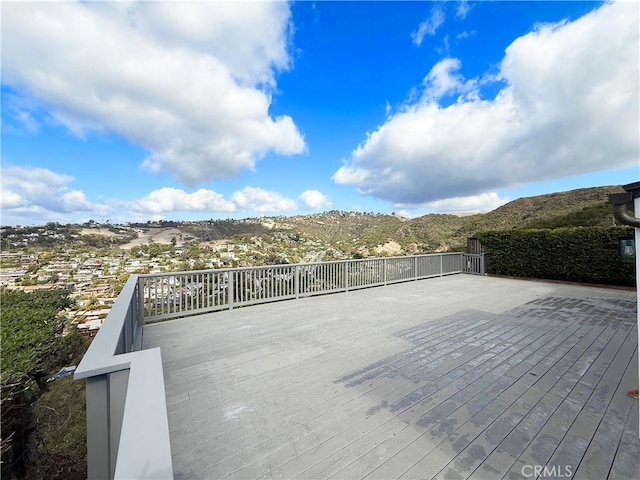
441 267
296 281
230 289
140 299
415 268
384 267
346 276
98 454
105 400
117 387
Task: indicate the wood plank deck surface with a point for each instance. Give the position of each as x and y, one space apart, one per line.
447 378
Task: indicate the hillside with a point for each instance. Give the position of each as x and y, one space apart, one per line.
561 208
352 233
440 232
374 234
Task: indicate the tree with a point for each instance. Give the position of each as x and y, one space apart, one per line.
31 348
154 249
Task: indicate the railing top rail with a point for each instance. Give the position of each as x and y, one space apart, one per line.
144 451
289 265
100 357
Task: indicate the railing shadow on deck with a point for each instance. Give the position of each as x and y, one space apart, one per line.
127 426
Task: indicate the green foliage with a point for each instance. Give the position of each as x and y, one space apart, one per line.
581 207
192 250
599 214
118 284
97 241
32 349
30 324
562 206
60 414
580 254
344 231
220 229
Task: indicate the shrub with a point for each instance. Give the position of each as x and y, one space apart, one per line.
579 254
32 348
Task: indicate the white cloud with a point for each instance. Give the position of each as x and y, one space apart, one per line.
406 214
20 114
485 202
26 184
347 174
429 26
465 34
250 42
262 201
568 105
442 81
189 82
31 194
462 9
314 200
10 199
76 201
176 200
167 200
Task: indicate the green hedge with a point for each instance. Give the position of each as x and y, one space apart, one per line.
580 254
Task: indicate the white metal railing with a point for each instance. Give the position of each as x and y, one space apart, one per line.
475 263
171 295
127 425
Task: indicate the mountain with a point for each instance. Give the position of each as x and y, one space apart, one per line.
581 207
352 233
368 233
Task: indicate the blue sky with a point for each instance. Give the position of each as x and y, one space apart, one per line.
126 111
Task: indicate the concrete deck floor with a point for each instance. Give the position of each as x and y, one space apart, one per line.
453 377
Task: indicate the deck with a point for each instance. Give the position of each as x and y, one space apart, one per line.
454 377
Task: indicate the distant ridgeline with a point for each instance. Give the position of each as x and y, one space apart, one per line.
339 234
